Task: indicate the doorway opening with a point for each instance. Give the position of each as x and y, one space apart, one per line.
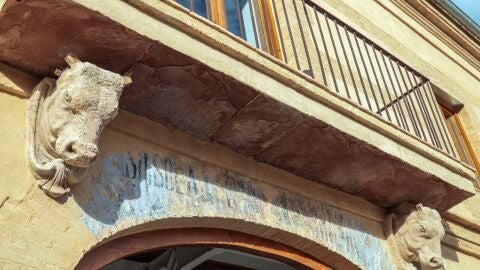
197 258
196 249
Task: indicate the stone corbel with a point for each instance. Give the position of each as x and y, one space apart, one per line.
65 119
414 236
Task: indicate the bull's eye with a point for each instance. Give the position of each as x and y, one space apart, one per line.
68 97
422 229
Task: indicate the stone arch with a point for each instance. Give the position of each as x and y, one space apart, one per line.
155 189
219 232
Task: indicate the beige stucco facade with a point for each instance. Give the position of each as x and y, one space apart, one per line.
127 189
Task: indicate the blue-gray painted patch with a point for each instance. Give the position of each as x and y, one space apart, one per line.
128 190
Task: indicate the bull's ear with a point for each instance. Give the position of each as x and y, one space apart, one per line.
71 59
126 80
58 72
419 207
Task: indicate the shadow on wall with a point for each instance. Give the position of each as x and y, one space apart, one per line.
125 190
450 253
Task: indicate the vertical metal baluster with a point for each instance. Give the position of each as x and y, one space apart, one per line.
192 5
407 104
429 122
438 114
366 71
348 65
303 38
315 43
240 21
442 121
413 92
411 103
290 34
339 62
438 143
326 49
376 80
358 69
386 87
396 101
335 50
267 25
279 32
435 139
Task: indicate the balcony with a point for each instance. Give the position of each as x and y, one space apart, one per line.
317 99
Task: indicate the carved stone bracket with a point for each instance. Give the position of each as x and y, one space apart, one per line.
414 238
65 120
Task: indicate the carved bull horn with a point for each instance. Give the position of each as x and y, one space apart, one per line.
58 72
72 59
127 80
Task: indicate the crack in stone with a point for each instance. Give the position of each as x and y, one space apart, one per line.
214 134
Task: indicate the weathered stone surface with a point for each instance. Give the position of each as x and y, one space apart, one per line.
127 189
257 125
181 92
36 35
65 120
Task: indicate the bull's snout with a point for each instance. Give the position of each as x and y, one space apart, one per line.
81 154
436 262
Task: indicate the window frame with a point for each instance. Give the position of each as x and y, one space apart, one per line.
216 14
473 159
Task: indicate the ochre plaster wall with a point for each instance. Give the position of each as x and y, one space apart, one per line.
36 232
459 261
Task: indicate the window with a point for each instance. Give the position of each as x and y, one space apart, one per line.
250 20
201 7
460 139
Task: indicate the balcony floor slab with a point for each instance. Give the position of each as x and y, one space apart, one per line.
229 103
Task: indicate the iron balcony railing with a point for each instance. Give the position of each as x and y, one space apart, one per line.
357 68
325 48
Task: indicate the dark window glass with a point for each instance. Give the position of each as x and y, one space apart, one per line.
185 3
234 25
198 6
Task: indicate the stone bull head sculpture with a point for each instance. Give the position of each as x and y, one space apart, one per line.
65 120
415 238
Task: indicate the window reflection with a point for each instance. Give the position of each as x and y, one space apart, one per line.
198 6
243 20
240 17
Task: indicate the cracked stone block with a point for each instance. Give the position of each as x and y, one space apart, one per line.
258 124
323 154
183 93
